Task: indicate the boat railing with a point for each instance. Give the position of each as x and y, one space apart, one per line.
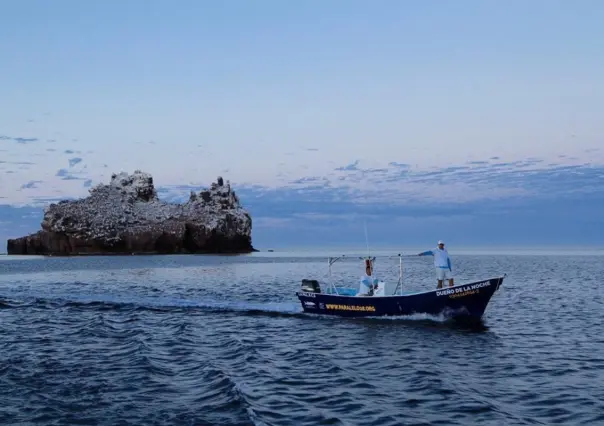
399 285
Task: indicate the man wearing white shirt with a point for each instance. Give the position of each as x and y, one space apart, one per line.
370 286
442 263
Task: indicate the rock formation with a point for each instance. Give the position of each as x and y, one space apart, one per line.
126 217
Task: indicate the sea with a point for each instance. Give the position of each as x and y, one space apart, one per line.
222 340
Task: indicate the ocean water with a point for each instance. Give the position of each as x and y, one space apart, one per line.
221 340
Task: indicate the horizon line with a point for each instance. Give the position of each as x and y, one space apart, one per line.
336 251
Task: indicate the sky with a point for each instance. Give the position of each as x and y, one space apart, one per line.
477 122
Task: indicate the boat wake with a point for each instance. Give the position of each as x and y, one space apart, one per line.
108 302
161 303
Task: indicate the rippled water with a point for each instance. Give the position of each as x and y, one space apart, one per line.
208 340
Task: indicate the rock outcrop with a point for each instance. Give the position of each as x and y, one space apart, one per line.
126 217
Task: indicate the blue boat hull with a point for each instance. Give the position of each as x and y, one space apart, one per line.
461 301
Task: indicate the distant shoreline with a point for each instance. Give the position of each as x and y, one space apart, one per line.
122 254
354 252
418 248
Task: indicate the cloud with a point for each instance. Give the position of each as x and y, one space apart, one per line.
65 174
495 202
478 202
395 183
74 161
16 162
400 165
350 167
25 140
484 181
20 140
31 184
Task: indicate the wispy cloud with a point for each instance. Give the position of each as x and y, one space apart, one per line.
65 174
20 140
523 199
455 190
358 189
401 183
31 184
350 167
25 140
16 162
482 180
74 161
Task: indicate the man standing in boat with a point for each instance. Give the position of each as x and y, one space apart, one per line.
442 263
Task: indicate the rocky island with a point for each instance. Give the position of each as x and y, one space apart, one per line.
126 217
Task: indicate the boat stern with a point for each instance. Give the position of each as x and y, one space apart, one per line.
309 289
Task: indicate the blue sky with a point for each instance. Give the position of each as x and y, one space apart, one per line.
475 121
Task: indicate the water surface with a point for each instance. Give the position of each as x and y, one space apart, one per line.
211 340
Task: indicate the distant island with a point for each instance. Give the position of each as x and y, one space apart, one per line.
126 217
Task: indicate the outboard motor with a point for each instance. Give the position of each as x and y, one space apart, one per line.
311 286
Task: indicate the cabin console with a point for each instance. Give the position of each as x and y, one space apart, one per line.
311 286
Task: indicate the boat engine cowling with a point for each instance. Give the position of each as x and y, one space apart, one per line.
311 286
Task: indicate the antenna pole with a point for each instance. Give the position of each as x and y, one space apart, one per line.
331 261
366 238
400 275
400 271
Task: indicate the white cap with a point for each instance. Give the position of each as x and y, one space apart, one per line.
440 242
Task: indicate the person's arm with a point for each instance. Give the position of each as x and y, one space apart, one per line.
426 253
